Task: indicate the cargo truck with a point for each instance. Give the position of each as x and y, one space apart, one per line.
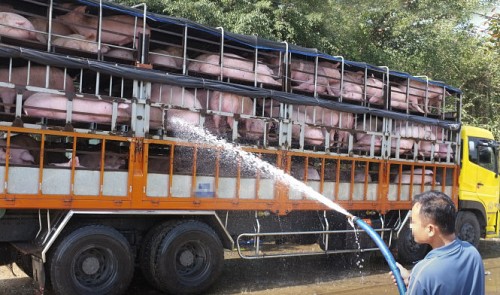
98 180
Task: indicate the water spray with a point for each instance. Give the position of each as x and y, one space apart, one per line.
196 133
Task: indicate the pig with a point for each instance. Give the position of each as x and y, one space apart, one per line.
235 67
93 161
346 121
364 140
116 29
410 135
252 129
120 53
361 176
312 135
79 42
42 26
57 80
444 148
398 99
177 97
375 90
17 26
406 178
352 87
302 75
29 143
297 170
69 163
428 143
17 154
52 106
422 91
172 57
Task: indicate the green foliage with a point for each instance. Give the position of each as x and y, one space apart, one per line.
422 37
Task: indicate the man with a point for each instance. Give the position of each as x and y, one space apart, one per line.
452 266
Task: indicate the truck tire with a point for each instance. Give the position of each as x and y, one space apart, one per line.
408 250
189 259
467 227
94 259
149 247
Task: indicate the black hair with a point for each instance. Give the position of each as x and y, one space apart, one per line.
438 208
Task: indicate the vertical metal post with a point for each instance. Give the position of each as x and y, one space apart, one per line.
49 33
341 75
221 60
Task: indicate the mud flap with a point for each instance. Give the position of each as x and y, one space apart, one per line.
38 273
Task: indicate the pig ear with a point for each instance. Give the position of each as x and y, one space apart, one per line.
80 9
77 162
123 106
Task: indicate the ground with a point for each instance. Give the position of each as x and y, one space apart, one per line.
294 275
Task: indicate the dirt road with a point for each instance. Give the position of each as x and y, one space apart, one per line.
301 275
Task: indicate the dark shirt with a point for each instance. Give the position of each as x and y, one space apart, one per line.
455 269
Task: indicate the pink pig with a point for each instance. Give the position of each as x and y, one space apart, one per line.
47 105
175 96
17 26
116 29
37 74
172 57
79 42
235 67
252 129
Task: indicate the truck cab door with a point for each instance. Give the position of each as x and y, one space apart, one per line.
487 181
479 180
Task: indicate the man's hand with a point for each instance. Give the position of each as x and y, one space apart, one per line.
405 274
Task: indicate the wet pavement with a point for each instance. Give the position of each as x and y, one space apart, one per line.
294 275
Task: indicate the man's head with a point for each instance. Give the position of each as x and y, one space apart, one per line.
433 215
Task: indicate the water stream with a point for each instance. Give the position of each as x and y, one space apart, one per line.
192 133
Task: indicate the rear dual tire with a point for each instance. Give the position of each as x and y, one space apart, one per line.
184 257
93 259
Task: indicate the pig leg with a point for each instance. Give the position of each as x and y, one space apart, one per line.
8 96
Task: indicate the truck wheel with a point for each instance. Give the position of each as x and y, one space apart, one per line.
189 259
94 259
467 227
149 247
408 250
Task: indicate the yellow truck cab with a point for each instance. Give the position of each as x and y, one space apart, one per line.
478 203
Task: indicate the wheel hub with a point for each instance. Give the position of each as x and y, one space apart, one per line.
186 258
90 265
